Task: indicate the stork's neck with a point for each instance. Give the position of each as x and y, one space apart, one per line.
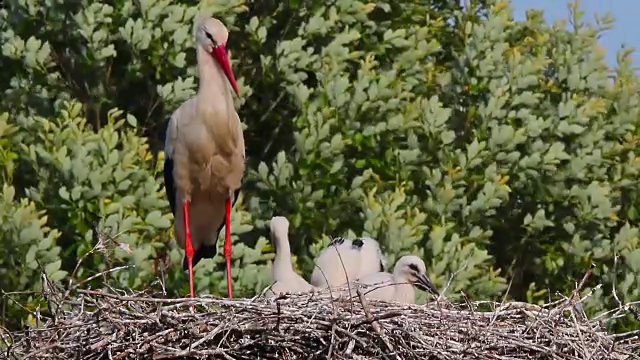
282 261
405 293
403 288
214 89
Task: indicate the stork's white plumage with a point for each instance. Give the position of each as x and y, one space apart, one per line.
409 272
286 280
205 154
345 260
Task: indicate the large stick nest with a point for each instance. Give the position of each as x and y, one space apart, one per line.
90 324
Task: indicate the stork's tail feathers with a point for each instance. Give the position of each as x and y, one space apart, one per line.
204 252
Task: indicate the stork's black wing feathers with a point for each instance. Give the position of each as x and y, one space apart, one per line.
169 183
203 252
337 241
357 243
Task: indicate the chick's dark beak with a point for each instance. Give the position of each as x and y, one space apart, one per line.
424 283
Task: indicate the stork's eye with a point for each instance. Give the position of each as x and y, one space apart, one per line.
213 41
414 267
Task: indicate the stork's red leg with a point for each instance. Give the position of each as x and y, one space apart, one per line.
227 247
188 249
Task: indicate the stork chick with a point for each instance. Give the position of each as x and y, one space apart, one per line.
409 272
345 260
205 154
285 279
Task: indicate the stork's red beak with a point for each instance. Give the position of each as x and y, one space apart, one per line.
220 54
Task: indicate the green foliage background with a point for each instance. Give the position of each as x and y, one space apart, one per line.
502 152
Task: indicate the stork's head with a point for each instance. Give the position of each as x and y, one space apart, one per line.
212 36
279 225
413 269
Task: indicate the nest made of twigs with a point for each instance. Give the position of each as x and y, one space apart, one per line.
90 324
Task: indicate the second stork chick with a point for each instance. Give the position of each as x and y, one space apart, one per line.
345 260
409 272
286 280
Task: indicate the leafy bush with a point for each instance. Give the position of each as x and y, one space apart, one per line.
503 152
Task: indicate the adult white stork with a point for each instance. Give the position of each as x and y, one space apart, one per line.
205 154
345 260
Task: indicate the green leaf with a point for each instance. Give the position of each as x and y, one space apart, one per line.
155 219
58 275
262 34
63 193
253 23
30 256
52 267
112 208
131 120
30 234
263 170
447 137
45 243
76 192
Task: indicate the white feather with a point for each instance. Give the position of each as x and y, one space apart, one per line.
343 261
